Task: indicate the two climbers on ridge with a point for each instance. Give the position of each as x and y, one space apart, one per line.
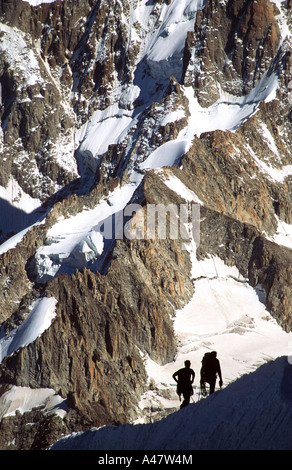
185 377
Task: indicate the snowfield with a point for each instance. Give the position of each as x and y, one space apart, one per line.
25 399
227 315
35 3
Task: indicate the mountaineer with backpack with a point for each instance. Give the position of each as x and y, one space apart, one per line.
209 370
184 379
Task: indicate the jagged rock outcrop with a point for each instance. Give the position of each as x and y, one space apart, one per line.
30 430
235 44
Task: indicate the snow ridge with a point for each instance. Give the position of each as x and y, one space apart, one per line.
254 413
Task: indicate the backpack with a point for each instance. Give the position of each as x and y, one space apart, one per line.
207 360
209 366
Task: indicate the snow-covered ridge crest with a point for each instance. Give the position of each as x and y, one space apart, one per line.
39 318
258 407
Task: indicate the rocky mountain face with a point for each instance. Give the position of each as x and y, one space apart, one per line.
104 98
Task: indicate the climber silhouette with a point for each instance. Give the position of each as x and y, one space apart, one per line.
209 370
184 379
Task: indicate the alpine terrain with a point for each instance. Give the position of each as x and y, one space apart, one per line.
146 218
